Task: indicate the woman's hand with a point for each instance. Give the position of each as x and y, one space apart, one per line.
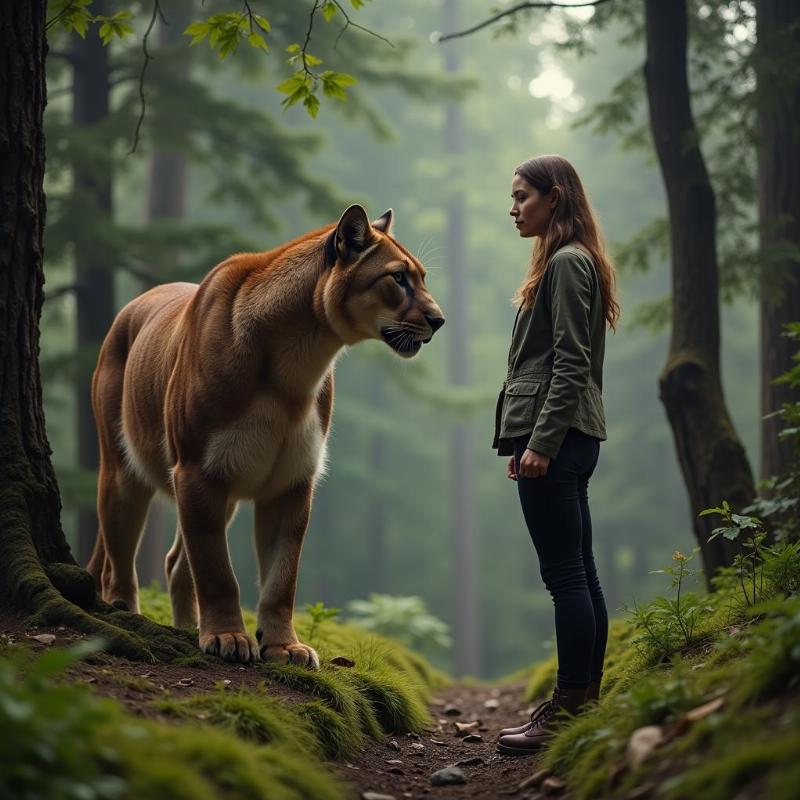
511 469
533 464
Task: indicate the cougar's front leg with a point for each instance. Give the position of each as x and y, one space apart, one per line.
202 505
280 526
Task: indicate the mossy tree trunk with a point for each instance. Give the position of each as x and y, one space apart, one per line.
778 95
712 459
39 576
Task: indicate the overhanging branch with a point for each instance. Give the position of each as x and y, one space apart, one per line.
515 10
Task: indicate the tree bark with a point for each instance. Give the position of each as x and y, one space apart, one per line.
467 635
778 113
39 576
712 459
94 277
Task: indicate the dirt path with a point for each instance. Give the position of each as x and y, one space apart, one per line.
402 767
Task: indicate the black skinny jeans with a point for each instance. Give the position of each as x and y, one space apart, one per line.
556 510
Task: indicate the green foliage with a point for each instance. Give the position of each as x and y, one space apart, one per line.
48 731
74 15
778 500
667 624
403 618
319 613
748 565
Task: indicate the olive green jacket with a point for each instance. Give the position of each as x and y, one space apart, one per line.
555 362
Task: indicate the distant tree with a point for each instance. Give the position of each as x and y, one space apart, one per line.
777 68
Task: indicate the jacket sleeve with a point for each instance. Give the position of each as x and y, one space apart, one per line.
570 293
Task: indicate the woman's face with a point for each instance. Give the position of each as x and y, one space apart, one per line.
531 209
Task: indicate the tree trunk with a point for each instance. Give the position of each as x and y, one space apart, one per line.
166 199
39 576
712 460
467 637
778 111
93 265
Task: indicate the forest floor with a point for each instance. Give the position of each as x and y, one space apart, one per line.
402 767
399 767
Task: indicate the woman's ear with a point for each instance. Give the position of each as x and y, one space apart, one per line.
555 197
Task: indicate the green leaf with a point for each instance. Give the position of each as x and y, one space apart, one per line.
197 30
329 10
257 40
312 105
262 23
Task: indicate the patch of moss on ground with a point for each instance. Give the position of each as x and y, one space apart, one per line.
63 741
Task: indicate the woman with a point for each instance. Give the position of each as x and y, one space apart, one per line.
550 421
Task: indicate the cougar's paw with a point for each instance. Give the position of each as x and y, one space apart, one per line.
296 653
230 646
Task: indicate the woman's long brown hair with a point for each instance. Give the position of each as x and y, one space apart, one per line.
572 221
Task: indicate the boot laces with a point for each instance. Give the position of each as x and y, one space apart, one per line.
542 714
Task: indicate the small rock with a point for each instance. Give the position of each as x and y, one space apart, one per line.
416 747
492 704
452 711
463 728
184 682
148 675
642 742
449 776
438 741
91 679
44 638
412 735
534 780
376 796
396 761
553 786
470 762
343 661
226 682
704 710
392 745
472 738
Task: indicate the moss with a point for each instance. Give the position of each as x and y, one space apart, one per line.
725 775
395 699
254 716
329 728
195 764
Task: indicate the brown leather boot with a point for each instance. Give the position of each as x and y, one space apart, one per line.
593 692
523 728
544 721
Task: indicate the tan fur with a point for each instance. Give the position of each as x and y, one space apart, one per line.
223 391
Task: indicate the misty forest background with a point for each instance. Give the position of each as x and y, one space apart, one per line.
415 502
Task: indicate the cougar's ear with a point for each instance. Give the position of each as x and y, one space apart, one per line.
352 232
384 222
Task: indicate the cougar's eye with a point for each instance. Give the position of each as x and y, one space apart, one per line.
400 277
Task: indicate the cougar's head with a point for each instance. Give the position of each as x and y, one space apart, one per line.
376 288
